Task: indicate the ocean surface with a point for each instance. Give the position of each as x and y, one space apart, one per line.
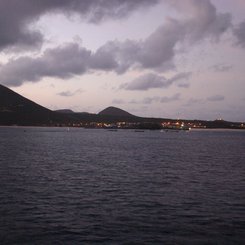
93 186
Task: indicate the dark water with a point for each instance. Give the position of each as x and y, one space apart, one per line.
96 186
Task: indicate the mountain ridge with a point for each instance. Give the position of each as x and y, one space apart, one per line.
114 111
15 109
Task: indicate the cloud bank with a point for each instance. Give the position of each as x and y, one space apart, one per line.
239 32
215 98
62 62
157 99
17 16
199 21
151 81
70 93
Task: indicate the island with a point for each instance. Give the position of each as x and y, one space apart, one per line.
16 110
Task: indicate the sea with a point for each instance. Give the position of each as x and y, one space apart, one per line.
95 186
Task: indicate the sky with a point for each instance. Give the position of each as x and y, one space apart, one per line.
152 58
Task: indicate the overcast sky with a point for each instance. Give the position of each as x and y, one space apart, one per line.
156 58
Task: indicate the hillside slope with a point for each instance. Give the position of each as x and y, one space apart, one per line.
16 109
114 111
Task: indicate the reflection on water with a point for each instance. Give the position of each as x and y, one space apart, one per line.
88 186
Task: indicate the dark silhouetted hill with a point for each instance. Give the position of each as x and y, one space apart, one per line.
18 110
114 111
66 111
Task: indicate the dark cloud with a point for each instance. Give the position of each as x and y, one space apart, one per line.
70 60
239 33
65 94
183 85
70 93
103 60
180 77
146 100
158 50
16 16
62 62
216 98
155 52
221 68
145 82
122 55
150 100
194 101
151 81
167 99
203 21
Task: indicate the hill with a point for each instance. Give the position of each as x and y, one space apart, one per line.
18 110
65 111
114 111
